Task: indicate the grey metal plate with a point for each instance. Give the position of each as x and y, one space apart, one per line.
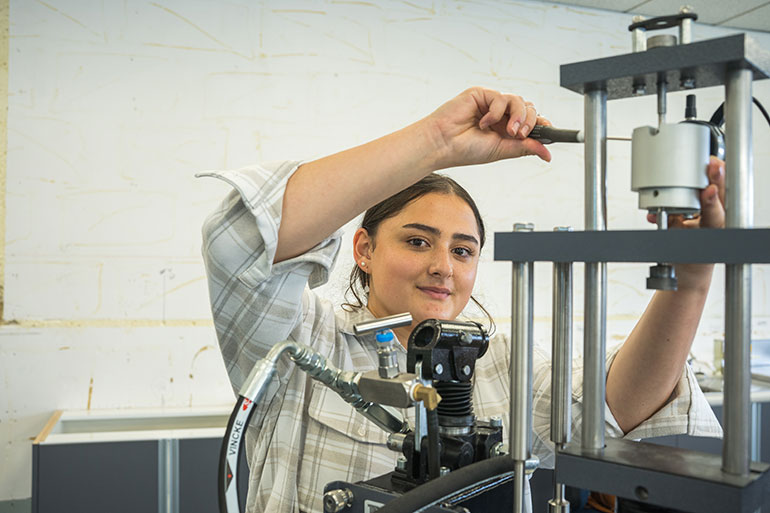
664 476
705 61
728 246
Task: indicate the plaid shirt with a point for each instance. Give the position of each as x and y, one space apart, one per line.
302 435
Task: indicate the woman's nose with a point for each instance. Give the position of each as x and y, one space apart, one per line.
441 264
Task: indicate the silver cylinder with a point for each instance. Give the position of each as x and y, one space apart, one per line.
668 166
595 305
383 323
739 205
638 36
685 27
561 370
518 487
520 436
662 105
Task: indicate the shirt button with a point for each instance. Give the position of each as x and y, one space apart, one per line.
362 430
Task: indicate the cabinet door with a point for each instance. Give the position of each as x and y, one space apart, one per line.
119 477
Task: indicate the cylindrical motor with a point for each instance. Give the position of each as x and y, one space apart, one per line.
668 166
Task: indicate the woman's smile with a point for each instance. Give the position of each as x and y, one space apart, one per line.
436 292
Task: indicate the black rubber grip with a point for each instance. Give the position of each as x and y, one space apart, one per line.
549 134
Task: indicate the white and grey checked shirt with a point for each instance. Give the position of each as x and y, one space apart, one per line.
302 435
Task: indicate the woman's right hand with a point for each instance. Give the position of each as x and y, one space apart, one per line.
481 125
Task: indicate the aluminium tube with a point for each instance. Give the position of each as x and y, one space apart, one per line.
520 436
739 214
561 369
595 296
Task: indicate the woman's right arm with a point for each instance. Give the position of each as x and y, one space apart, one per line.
476 127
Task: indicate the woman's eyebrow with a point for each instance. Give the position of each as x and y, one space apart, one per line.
435 231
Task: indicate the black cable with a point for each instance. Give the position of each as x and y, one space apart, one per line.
718 118
437 490
762 110
434 450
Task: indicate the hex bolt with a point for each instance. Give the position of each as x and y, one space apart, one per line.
496 421
401 463
444 471
687 83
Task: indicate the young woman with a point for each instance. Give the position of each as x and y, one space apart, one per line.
274 238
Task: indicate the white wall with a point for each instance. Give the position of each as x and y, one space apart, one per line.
113 106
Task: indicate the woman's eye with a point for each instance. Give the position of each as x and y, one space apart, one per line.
417 242
463 252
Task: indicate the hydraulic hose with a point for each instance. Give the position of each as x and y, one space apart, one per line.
454 483
254 388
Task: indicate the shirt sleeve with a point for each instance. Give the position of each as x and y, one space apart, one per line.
256 303
687 411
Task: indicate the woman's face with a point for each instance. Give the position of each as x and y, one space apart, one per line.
424 259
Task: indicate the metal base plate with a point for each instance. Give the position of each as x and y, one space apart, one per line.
664 476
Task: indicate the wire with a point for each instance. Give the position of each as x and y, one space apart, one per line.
718 118
762 110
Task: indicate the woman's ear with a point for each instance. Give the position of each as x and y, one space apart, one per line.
362 248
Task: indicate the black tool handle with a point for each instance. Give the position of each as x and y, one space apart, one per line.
548 134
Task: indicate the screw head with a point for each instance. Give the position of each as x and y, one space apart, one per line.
444 471
438 368
467 370
687 83
496 421
401 463
640 89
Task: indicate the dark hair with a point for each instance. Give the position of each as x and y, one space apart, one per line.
433 183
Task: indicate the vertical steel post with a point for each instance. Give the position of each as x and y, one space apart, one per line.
739 205
520 436
168 475
595 309
561 369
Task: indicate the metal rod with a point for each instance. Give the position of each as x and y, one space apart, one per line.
662 106
638 36
739 214
595 306
561 369
168 475
520 436
685 26
383 323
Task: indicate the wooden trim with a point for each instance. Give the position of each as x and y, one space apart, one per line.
48 427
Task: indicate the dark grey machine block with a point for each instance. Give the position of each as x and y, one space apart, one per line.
664 476
727 246
704 63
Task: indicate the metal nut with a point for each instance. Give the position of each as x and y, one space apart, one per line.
496 421
401 463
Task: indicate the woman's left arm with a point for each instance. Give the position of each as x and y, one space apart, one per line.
647 368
